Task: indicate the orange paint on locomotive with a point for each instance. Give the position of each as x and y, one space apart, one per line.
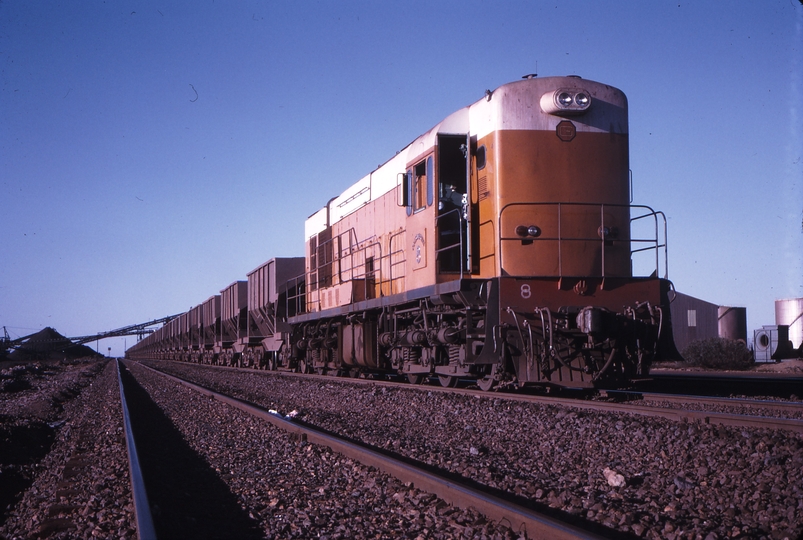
575 190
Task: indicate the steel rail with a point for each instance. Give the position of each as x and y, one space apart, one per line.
780 406
677 415
142 509
723 384
519 518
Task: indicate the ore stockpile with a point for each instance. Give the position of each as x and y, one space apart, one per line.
47 345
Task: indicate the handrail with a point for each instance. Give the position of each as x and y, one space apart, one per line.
349 256
459 243
654 214
657 242
355 196
296 284
391 253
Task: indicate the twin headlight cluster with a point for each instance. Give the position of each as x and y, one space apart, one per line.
566 101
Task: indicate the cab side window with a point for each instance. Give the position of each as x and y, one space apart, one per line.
420 186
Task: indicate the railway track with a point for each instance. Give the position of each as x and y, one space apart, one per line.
142 506
449 488
684 408
552 452
176 494
724 384
688 409
782 409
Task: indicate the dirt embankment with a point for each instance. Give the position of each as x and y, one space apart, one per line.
32 411
792 367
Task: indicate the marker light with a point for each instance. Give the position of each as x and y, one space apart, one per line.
533 231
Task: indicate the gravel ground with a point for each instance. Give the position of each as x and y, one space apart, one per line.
651 477
293 489
76 483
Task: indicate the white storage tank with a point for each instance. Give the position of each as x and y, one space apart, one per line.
790 313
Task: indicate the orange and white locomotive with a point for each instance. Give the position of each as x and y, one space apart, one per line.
498 246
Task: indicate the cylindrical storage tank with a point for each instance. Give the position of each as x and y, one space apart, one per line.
790 313
732 323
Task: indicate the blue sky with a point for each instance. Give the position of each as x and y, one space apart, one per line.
153 152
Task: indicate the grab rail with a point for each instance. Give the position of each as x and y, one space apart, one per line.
656 242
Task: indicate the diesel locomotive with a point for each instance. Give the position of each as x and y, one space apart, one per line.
500 246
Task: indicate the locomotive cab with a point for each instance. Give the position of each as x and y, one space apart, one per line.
443 200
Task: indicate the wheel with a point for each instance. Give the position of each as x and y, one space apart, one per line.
488 380
486 383
415 378
447 381
302 366
320 371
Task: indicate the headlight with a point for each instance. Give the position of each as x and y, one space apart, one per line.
566 101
